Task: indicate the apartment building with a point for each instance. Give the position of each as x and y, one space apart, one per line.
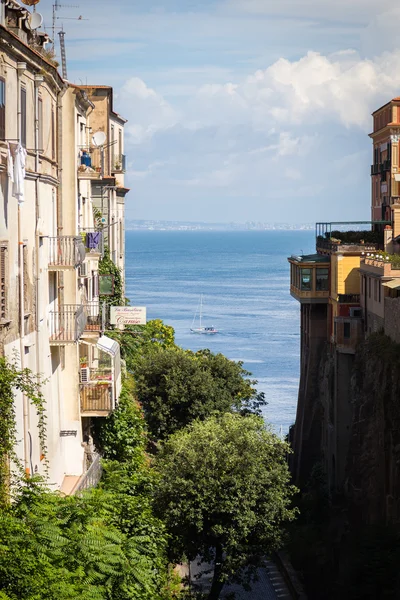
385 170
109 160
348 289
52 238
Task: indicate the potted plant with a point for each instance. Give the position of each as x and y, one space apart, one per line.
83 361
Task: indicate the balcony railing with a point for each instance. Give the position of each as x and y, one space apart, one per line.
97 316
66 252
67 324
349 298
119 163
97 394
91 478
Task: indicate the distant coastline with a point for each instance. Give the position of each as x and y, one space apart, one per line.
148 225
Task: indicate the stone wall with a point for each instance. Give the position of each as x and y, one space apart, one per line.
392 318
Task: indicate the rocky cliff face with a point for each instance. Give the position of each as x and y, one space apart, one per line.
372 481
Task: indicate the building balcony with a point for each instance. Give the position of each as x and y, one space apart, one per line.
330 240
375 169
309 278
66 252
97 316
349 299
101 378
119 163
67 324
97 392
381 266
348 334
93 241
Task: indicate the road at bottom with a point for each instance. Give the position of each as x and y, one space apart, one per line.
269 585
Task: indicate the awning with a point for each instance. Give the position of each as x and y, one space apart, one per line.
394 284
108 345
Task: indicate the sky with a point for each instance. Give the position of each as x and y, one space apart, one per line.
241 110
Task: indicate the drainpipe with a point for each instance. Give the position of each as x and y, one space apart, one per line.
38 82
21 68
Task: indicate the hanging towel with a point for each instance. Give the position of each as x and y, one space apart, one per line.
10 164
19 174
93 240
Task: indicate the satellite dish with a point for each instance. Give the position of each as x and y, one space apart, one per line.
99 138
35 21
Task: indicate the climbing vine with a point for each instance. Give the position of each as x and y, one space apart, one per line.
12 379
108 267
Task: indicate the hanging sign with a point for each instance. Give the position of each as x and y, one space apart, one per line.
128 315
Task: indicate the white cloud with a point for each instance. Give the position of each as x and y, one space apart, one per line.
147 111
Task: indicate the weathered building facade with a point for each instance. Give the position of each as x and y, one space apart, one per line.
52 237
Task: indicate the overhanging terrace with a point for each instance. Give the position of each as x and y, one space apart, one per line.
349 237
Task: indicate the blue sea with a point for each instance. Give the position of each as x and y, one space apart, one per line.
244 280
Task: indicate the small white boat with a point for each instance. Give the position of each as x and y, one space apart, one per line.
210 330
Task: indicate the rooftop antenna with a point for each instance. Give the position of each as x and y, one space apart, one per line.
63 55
56 7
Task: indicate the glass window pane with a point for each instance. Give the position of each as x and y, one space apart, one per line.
322 282
305 280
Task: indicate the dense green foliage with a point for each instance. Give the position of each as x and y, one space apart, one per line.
224 492
104 545
177 386
12 379
356 237
108 267
136 340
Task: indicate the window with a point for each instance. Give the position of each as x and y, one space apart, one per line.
3 282
23 116
346 330
369 287
120 141
322 281
375 290
112 147
53 135
40 125
380 291
305 280
2 109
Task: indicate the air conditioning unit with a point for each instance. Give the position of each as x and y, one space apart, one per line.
83 270
85 374
355 312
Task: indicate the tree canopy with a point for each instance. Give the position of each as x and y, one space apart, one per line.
177 386
224 493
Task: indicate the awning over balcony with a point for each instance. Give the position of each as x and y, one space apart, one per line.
394 284
108 345
111 347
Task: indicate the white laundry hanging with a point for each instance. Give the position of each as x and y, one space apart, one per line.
19 174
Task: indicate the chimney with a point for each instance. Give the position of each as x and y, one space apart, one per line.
388 239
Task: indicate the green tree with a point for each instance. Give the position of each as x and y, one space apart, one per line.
224 493
136 340
176 386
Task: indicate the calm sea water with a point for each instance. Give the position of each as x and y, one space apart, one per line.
244 279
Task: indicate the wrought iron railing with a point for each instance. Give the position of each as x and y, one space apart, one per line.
91 478
349 298
97 393
67 324
66 252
